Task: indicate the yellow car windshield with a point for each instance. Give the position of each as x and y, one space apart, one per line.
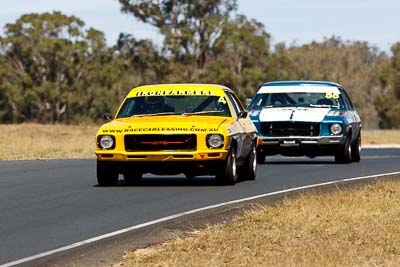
175 105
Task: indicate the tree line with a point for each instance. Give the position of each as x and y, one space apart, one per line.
53 69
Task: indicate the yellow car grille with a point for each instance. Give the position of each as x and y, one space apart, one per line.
160 142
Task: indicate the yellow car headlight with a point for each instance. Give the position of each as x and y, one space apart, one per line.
215 140
106 142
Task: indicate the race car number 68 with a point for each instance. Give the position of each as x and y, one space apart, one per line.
332 95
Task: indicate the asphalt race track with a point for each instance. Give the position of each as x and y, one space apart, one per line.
47 204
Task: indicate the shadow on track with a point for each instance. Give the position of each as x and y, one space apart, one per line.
299 160
172 181
169 181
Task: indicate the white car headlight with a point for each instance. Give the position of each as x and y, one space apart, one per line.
333 113
254 112
336 128
106 142
215 140
336 113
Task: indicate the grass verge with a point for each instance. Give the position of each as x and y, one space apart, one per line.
343 228
37 141
380 137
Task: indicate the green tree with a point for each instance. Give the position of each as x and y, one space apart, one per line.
189 27
52 69
241 56
142 62
388 102
355 65
11 93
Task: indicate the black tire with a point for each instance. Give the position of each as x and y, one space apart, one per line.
260 157
356 149
132 177
227 175
106 175
345 153
249 168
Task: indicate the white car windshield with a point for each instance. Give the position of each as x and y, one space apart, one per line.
296 99
174 105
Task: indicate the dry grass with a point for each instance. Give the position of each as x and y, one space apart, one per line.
380 137
349 228
35 141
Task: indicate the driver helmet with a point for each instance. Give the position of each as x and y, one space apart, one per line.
155 100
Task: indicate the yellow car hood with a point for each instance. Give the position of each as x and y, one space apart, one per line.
157 124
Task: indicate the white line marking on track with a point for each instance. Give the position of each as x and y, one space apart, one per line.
174 216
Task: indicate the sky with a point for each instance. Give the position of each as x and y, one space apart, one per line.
289 21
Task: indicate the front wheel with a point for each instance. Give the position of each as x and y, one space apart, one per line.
260 157
356 150
249 169
106 174
228 172
345 153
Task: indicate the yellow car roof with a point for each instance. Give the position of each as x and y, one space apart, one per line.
178 89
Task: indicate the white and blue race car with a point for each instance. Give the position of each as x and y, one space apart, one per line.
306 118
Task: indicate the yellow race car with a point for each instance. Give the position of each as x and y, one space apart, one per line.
168 129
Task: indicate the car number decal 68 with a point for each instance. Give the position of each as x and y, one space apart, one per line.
330 95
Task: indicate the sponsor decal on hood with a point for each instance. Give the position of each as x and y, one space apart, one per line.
163 125
293 114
